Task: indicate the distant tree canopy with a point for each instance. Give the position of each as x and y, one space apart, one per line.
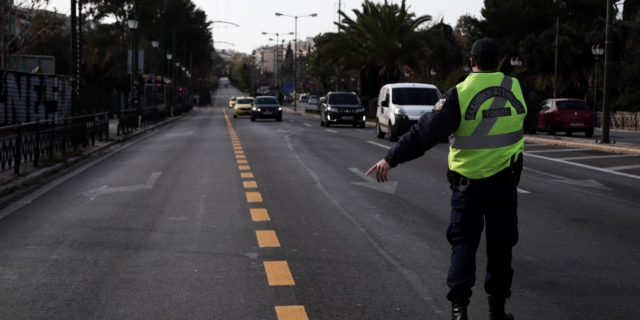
384 41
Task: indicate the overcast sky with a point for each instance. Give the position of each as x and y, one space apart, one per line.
257 16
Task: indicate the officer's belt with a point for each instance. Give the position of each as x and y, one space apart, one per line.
456 179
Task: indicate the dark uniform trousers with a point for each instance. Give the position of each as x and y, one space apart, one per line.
492 201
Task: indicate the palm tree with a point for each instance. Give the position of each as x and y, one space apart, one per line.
382 38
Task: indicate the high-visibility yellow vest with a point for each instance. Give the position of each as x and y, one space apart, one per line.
491 128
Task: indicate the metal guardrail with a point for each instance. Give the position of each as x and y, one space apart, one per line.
30 142
622 120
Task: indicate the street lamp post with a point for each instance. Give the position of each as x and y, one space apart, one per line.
277 34
169 56
295 60
175 81
132 23
155 43
597 53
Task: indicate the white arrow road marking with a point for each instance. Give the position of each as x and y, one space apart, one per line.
332 131
179 134
308 125
388 187
590 183
523 191
283 131
379 145
92 194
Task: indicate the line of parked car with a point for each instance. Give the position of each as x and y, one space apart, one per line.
260 107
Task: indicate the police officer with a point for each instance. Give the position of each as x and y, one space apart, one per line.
483 117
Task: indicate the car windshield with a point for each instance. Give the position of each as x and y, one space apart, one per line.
244 101
343 99
268 100
572 105
415 96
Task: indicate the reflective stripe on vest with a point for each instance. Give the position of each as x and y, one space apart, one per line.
480 138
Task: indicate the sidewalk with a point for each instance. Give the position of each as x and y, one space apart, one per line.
622 141
10 182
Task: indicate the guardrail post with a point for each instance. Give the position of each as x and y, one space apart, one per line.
17 154
36 150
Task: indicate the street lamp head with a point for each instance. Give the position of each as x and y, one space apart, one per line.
290 33
432 72
169 55
314 15
155 43
177 63
597 51
182 68
278 14
132 21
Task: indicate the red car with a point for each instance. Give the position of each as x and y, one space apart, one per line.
567 115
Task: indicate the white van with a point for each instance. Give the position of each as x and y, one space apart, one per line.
400 105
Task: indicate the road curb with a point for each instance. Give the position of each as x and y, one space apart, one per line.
12 186
584 145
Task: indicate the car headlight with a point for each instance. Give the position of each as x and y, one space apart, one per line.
253 108
329 108
360 110
400 111
279 108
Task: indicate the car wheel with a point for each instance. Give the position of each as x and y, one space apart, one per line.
327 124
253 119
278 119
568 133
355 125
392 135
361 125
589 133
550 129
379 132
235 116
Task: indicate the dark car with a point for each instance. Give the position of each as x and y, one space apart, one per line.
566 115
342 108
266 107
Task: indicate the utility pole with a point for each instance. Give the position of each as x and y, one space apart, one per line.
74 52
555 73
134 63
608 50
339 21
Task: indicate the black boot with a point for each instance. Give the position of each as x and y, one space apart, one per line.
496 309
459 310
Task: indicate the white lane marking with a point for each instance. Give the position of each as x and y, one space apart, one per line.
624 167
584 166
332 131
388 187
92 194
556 150
179 134
308 125
598 157
379 145
290 120
523 191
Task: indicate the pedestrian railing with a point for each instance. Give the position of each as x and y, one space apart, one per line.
31 142
127 121
622 120
151 116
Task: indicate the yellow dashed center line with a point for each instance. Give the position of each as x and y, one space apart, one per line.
246 175
278 273
250 184
240 156
259 214
242 162
291 313
244 168
254 197
267 239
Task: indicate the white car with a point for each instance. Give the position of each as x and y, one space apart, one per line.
400 105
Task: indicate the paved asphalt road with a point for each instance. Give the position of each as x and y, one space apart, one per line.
220 218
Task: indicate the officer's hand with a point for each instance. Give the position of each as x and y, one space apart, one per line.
381 168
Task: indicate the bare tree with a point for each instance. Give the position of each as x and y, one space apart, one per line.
25 23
